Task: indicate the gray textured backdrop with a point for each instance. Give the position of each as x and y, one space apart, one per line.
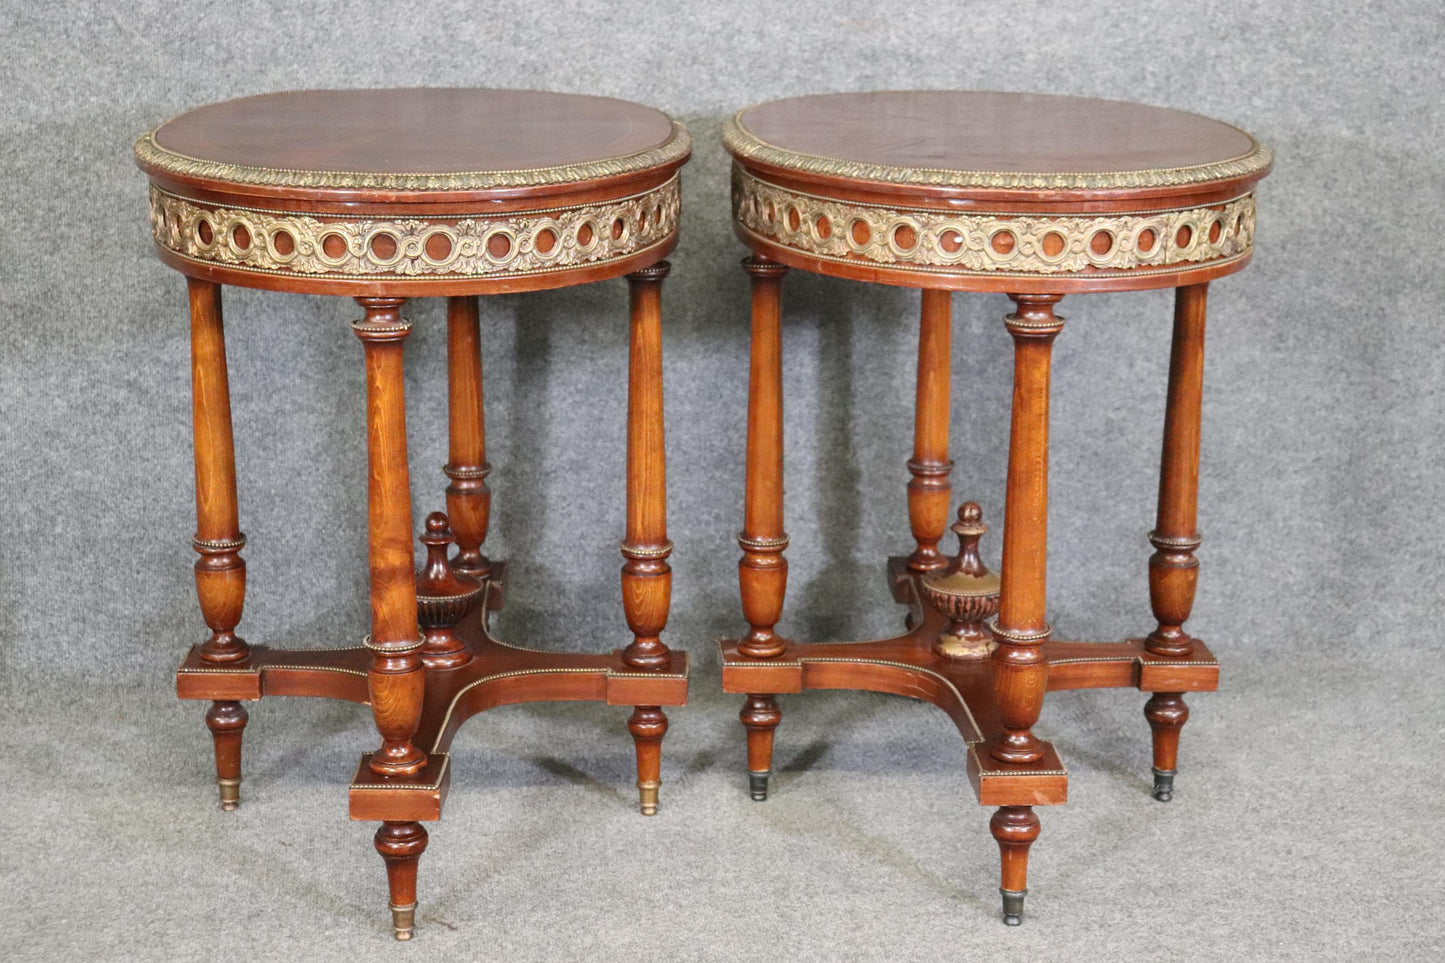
1306 824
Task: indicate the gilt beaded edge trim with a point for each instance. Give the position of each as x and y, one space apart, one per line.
560 670
999 244
1131 658
645 552
149 152
540 241
1034 637
996 773
218 544
743 143
466 474
269 666
394 787
391 648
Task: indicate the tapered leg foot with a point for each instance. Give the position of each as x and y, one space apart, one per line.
648 724
760 716
227 722
1015 828
1167 714
401 845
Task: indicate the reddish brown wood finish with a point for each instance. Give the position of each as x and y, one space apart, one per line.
220 571
763 571
760 716
469 499
951 130
646 576
396 677
227 721
994 153
401 845
1015 828
399 158
1167 714
928 491
425 130
648 724
444 596
1173 569
917 162
1020 669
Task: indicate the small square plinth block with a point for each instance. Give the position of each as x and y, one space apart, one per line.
414 798
1042 783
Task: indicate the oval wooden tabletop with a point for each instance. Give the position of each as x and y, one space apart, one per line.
994 191
414 191
962 141
381 143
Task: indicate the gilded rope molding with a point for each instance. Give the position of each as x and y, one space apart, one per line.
525 242
741 142
981 243
150 153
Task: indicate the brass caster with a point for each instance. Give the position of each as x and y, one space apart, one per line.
1013 905
230 793
647 795
1164 784
403 920
758 784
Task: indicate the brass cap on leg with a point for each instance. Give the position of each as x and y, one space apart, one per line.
1013 905
647 796
1164 784
230 793
403 920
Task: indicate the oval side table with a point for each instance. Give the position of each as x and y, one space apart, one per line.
381 196
1035 197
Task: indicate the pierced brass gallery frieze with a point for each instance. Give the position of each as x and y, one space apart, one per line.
983 243
527 242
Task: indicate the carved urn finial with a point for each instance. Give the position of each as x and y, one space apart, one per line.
966 592
443 598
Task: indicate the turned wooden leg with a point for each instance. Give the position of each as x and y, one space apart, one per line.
1167 714
1020 666
646 576
648 725
401 845
227 721
220 571
1015 828
1173 568
396 679
760 717
928 490
469 500
763 571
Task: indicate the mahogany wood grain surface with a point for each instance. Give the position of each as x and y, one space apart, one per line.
383 195
991 131
1035 197
415 131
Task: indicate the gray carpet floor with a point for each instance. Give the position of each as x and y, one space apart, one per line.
1279 845
1307 824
